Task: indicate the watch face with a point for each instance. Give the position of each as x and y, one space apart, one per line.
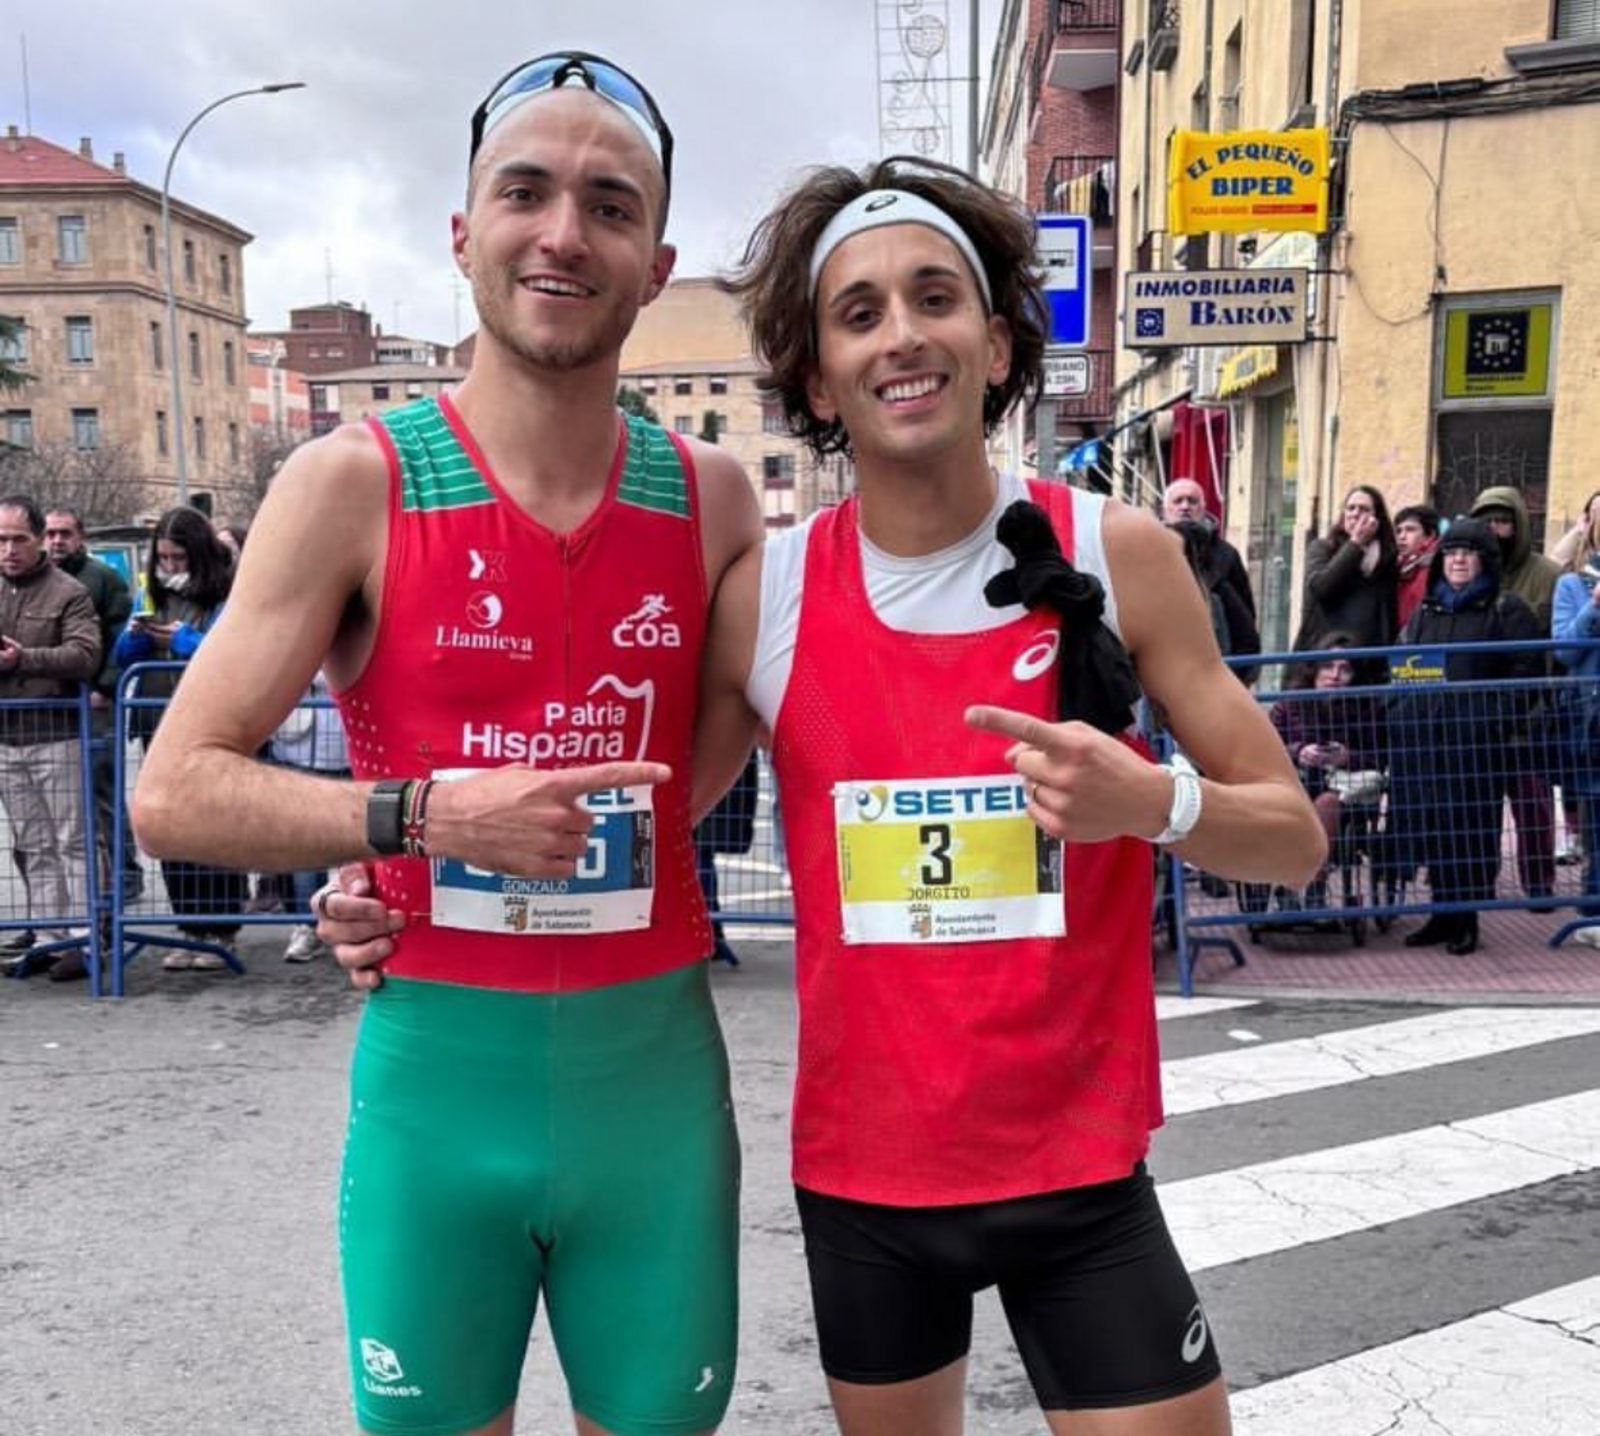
1497 344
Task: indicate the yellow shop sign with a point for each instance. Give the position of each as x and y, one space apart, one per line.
1248 180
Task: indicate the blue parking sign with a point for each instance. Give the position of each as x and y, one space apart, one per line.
1064 254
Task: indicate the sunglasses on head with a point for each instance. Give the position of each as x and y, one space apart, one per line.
553 72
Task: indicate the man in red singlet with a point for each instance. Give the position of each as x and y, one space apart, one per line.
978 1072
539 1091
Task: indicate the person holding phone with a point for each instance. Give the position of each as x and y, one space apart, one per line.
186 584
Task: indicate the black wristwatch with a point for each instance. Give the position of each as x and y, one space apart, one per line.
386 818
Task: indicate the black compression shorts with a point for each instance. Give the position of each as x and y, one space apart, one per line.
1101 1307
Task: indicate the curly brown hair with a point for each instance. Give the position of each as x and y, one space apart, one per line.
773 282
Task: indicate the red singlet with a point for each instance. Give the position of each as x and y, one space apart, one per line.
949 1072
502 642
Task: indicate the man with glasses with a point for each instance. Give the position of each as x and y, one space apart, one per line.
540 1089
67 545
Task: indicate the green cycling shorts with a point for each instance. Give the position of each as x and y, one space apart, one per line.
504 1144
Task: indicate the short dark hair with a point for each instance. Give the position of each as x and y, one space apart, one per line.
210 565
1427 517
773 282
68 511
25 502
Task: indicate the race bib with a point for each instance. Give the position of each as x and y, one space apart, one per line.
952 860
612 890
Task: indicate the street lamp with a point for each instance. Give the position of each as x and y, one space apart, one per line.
172 299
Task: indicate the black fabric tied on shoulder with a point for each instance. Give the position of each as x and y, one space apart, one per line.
1096 681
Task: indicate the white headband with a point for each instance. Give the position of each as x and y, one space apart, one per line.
894 206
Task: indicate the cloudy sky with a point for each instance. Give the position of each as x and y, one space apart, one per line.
359 172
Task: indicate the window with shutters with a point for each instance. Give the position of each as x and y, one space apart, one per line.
72 239
1577 20
80 339
86 429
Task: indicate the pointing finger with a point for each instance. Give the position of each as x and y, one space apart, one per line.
1009 724
602 776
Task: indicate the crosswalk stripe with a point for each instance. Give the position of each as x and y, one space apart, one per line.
1536 1357
1333 1059
1272 1206
1168 1007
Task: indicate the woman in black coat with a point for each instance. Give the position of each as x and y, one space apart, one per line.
1352 576
1447 745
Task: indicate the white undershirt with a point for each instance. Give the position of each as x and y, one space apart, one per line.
933 593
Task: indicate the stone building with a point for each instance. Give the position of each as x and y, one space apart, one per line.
1050 137
689 356
1454 315
81 269
347 396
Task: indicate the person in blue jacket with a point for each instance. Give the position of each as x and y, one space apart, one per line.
1576 618
186 585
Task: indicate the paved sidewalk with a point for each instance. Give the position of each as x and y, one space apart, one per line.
1514 960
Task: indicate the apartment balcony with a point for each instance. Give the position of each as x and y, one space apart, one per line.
1086 184
1163 45
1082 44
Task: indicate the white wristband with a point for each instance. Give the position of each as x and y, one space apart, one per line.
1185 811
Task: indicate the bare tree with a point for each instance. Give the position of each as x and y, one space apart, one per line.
269 447
104 485
634 401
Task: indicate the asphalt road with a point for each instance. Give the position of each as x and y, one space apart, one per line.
167 1258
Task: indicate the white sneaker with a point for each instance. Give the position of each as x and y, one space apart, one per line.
304 945
1588 936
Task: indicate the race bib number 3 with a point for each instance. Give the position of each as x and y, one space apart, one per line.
954 860
612 890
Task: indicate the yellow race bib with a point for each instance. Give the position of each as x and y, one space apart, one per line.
945 860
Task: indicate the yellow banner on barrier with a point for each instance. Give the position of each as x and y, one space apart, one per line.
1248 180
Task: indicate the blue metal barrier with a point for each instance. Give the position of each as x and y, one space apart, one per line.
78 925
129 933
1429 796
752 883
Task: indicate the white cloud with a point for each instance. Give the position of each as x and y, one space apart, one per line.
367 162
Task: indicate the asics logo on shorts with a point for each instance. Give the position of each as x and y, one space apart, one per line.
1194 1339
707 1377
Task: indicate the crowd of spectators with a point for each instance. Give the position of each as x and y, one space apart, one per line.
1418 762
1414 770
69 625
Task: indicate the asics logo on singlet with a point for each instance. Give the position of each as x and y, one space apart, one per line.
645 626
1036 658
1194 1339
